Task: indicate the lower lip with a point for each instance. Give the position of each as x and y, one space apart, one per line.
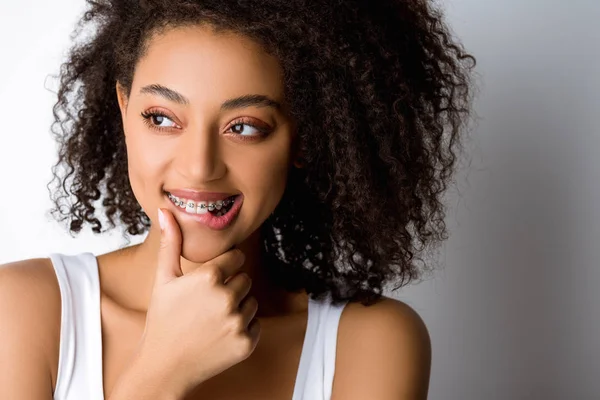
212 221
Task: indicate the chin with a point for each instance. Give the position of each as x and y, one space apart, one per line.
204 248
202 244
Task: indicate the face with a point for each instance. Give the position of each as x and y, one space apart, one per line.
185 130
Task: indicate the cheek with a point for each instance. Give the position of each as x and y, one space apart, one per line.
144 160
265 177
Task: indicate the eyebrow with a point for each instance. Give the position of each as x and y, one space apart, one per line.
248 100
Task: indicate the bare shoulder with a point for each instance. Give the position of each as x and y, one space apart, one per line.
30 307
383 352
29 291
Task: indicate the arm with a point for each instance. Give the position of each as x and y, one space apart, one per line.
30 308
29 329
383 353
142 381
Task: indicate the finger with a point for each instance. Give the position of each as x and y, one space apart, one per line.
231 276
224 265
169 252
248 309
254 330
240 285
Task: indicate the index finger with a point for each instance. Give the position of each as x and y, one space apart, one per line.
224 265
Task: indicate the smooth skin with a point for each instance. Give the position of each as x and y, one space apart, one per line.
383 351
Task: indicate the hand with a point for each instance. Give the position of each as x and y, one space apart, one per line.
201 323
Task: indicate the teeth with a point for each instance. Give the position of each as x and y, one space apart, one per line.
201 208
190 207
181 203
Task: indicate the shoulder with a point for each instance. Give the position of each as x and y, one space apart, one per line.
383 352
29 285
30 307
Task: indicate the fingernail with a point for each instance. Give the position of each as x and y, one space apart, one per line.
161 219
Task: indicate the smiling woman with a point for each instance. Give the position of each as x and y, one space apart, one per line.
193 126
287 162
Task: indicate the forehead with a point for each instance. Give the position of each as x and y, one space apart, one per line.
202 65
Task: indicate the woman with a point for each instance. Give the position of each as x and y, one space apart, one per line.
287 162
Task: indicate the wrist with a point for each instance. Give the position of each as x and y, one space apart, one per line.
147 380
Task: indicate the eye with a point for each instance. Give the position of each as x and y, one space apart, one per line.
158 120
249 129
244 129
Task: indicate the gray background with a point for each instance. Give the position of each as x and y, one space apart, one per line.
513 307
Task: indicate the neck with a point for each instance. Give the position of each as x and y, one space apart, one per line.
136 267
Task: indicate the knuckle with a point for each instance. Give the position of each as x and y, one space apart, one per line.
163 244
245 346
256 325
211 276
240 254
245 278
236 324
253 303
229 300
250 303
238 257
255 329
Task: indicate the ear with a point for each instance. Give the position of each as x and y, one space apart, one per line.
121 97
123 100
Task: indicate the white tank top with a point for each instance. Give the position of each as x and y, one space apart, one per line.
80 356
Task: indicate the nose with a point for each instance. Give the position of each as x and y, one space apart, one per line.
199 157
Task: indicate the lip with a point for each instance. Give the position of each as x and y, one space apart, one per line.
196 196
211 221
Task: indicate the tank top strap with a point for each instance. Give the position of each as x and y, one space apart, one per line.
316 370
80 355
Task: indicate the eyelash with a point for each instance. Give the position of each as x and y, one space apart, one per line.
147 115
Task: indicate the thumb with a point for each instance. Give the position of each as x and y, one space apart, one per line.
169 251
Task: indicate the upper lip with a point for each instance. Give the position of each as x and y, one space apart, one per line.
195 195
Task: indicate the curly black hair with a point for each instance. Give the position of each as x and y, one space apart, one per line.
383 91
